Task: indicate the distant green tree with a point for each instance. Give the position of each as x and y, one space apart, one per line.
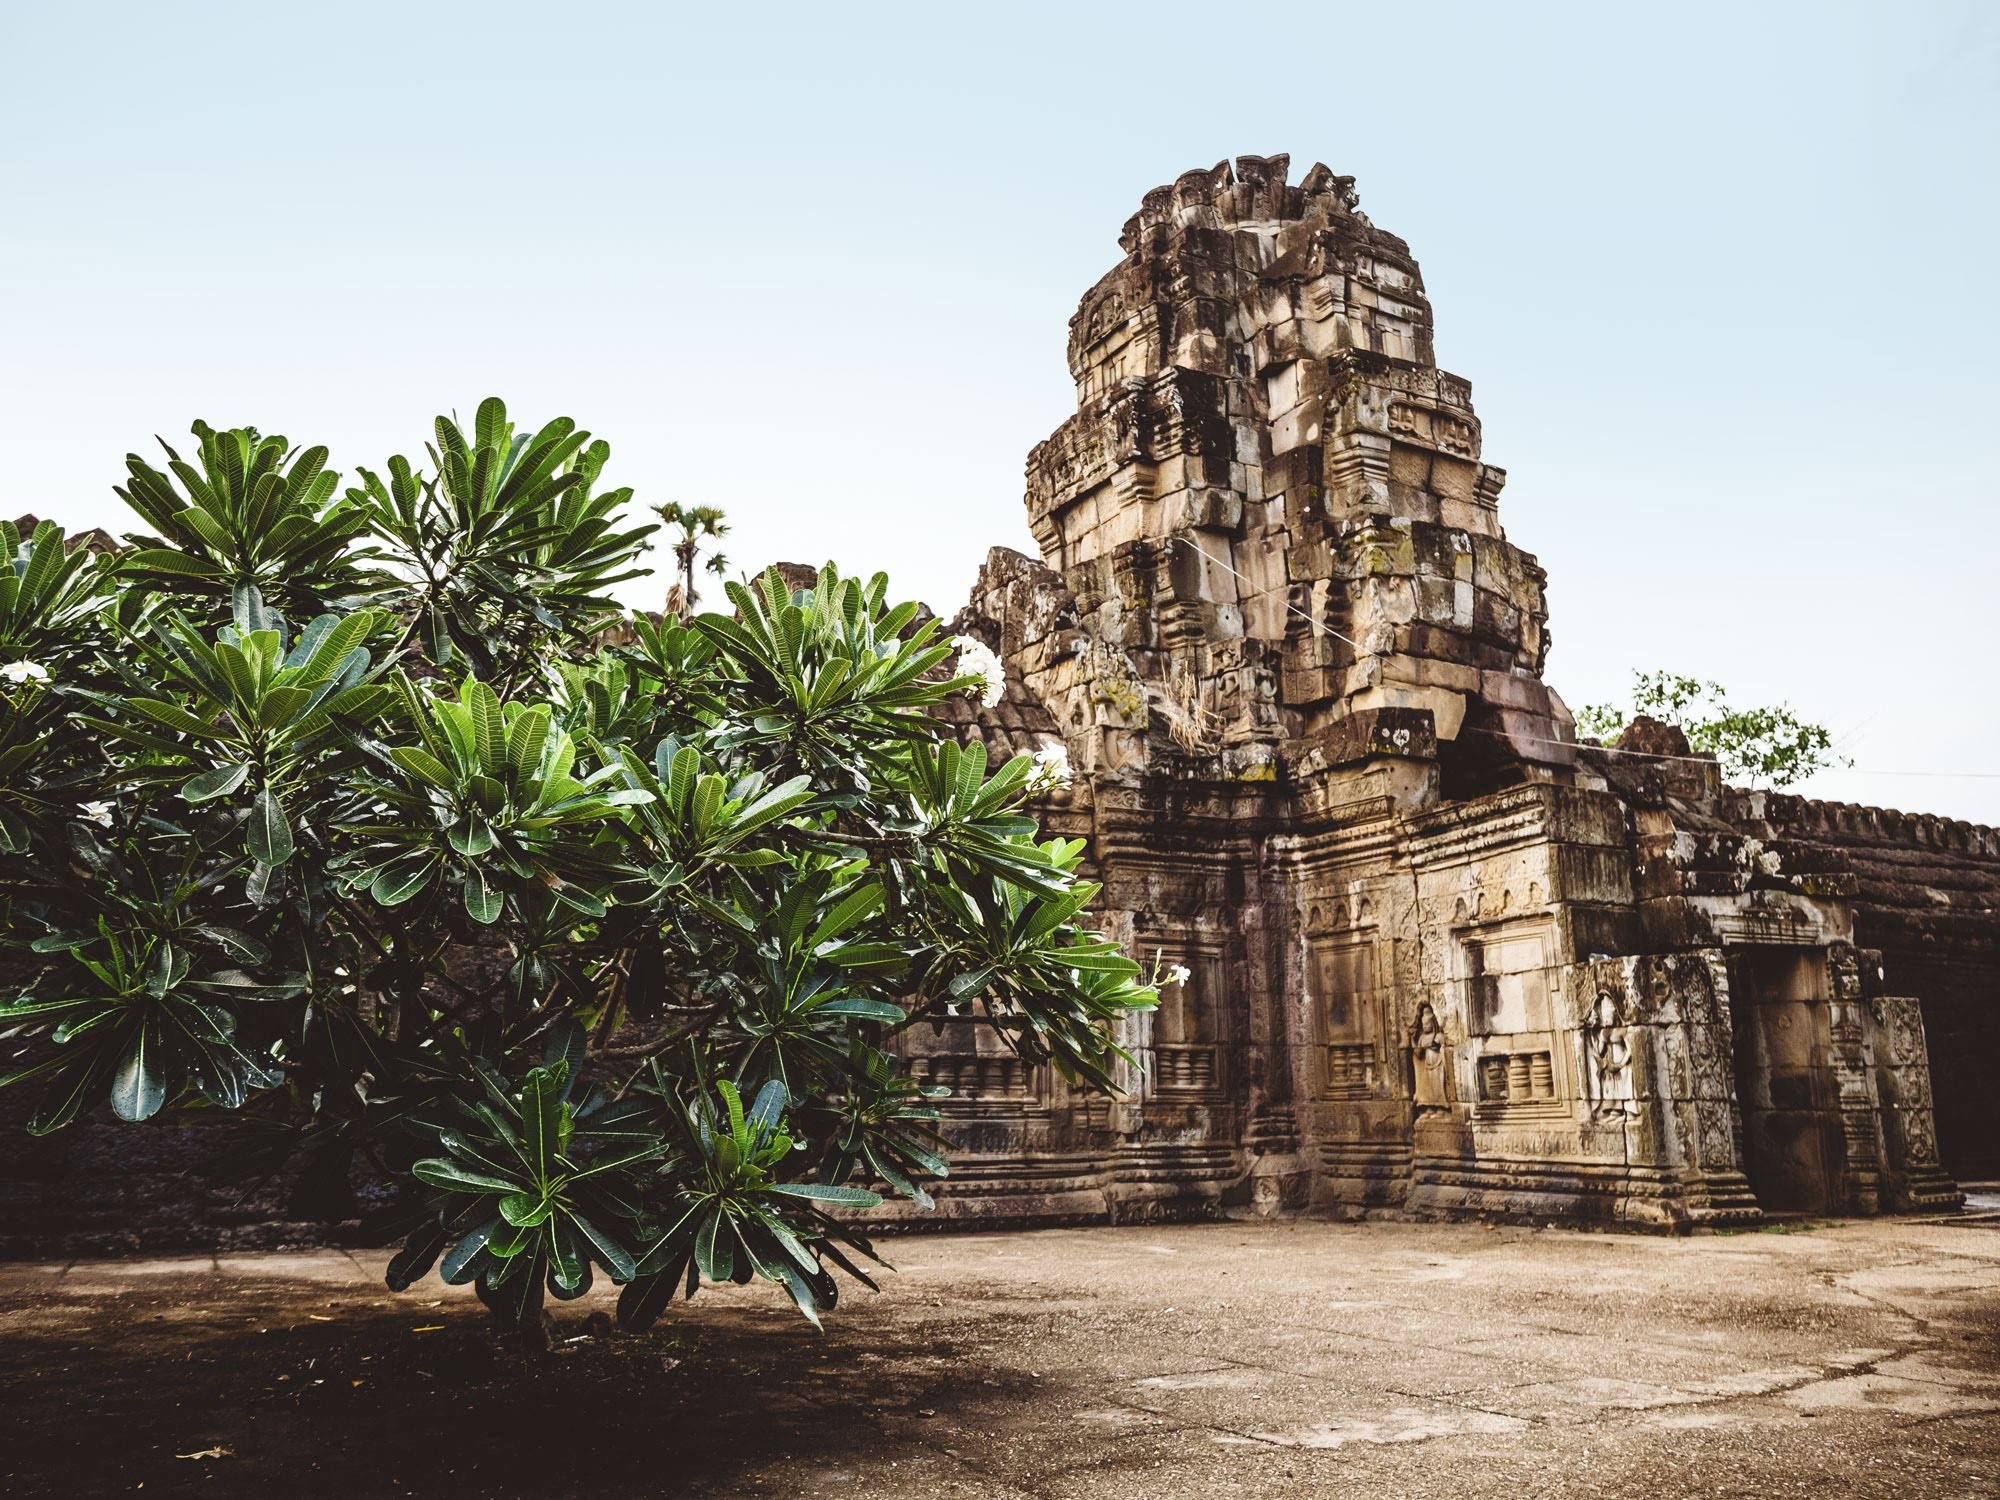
1761 746
694 524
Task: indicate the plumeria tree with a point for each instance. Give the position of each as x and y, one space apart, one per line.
363 814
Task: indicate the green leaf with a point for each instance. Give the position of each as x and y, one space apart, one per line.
732 1101
863 1008
264 886
643 1300
964 985
442 1172
489 733
482 903
579 900
247 606
858 903
172 716
524 743
76 1083
772 805
569 1268
542 1111
461 1262
686 763
773 1099
139 1088
707 802
715 1248
525 1210
24 1007
217 783
1097 958
509 1240
269 835
400 881
423 765
470 836
752 859
614 1256
820 1192
802 1295
418 1255
176 564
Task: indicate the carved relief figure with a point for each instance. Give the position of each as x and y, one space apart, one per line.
1430 1061
1607 1051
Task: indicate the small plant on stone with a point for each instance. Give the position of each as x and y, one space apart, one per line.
1771 747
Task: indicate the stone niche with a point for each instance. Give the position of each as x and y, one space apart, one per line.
1185 1042
1505 987
1443 958
1344 999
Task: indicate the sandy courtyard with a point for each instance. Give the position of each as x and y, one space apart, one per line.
1221 1359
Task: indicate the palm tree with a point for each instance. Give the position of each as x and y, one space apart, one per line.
696 523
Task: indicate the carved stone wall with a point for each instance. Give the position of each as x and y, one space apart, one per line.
1442 958
1925 893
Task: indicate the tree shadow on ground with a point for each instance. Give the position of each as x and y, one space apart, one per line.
315 1390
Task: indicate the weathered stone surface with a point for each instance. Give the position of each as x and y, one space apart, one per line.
1443 958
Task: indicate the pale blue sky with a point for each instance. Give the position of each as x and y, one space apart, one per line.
1722 278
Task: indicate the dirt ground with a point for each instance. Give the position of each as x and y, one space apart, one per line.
1860 1359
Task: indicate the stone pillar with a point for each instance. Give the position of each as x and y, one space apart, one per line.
1914 1177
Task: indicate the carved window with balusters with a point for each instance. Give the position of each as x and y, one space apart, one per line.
1345 996
1508 987
1189 1055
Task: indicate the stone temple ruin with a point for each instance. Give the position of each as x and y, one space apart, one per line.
1443 958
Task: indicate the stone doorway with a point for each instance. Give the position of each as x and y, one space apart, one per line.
1792 1142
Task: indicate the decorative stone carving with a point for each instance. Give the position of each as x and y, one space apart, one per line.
1186 1047
1430 1062
1607 1053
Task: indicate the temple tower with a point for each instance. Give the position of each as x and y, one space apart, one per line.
1272 503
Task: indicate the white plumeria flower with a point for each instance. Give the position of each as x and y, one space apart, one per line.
25 671
1179 974
96 812
976 658
1052 770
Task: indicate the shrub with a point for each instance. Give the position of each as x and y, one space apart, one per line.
1762 746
